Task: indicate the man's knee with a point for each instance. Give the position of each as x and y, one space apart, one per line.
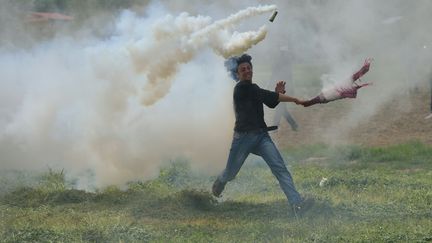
279 169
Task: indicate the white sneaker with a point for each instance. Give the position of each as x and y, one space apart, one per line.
429 116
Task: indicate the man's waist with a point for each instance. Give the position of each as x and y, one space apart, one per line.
256 130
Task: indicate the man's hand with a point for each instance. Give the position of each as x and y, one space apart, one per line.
280 87
299 102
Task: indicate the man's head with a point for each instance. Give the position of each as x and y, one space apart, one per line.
240 67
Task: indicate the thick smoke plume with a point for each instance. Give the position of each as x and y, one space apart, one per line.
178 40
118 100
120 106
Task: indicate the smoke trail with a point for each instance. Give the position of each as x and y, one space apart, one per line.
179 39
234 44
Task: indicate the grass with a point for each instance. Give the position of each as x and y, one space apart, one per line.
371 195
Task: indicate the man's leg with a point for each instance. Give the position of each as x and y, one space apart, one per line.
268 151
430 115
430 94
277 115
240 149
290 119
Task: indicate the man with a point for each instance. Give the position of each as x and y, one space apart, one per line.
430 115
283 66
250 131
430 80
282 110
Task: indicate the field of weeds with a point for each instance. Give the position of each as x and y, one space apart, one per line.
378 194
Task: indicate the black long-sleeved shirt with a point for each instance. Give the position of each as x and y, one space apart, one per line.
248 105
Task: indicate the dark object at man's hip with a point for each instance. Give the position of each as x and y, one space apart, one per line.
259 130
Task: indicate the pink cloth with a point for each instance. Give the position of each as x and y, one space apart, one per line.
346 91
362 70
350 92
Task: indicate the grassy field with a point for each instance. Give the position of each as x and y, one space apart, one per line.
371 195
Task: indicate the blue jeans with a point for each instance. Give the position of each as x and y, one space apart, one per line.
259 143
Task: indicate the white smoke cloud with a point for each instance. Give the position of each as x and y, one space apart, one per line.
78 104
337 36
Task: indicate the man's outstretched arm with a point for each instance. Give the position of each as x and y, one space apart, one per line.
287 98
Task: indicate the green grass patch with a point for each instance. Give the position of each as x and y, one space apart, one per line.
401 156
370 195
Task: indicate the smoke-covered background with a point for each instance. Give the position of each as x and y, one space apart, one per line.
337 36
118 92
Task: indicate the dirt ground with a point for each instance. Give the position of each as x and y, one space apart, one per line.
397 121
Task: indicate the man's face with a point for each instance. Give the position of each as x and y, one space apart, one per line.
244 71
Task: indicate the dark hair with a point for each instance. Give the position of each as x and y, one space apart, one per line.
232 64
